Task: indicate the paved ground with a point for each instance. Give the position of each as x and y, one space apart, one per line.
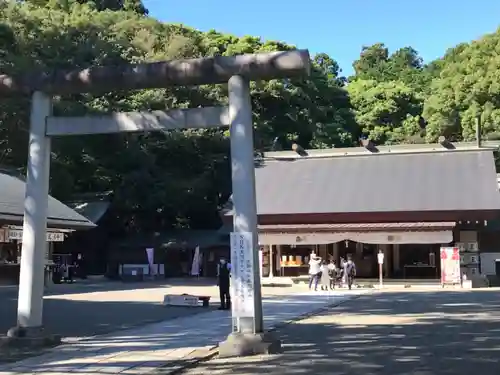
168 344
92 308
405 333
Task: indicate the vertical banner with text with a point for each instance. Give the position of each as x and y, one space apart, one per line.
150 253
242 274
450 265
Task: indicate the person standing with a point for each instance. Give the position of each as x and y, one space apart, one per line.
325 276
332 271
349 271
223 282
314 271
343 278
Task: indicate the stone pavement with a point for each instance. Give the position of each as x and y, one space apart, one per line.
168 344
87 309
440 332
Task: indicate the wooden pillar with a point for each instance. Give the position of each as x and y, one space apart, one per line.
336 255
396 258
261 259
323 252
359 251
271 262
387 259
278 260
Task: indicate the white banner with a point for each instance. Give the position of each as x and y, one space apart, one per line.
242 296
195 266
150 252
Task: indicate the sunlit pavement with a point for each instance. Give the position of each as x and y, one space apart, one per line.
92 308
167 343
402 332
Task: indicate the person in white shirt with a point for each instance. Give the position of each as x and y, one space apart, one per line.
325 276
314 270
332 270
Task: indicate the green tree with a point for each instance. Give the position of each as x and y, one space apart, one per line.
387 112
468 87
160 180
135 6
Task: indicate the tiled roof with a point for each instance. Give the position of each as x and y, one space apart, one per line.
12 190
434 181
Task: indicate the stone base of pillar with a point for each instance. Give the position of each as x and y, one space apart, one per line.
31 337
244 344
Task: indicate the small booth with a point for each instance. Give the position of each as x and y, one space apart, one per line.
10 253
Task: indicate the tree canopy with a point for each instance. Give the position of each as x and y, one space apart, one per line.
181 178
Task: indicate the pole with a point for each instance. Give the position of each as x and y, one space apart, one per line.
478 131
380 275
244 197
32 273
380 261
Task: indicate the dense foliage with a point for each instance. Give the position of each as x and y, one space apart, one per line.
179 179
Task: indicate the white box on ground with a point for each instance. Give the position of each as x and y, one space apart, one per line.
180 300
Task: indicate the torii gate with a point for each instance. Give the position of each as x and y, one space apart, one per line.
248 331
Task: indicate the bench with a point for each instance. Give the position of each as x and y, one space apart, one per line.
185 300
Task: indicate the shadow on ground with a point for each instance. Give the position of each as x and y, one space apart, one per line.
179 330
434 332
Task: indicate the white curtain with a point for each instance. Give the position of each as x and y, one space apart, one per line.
300 238
418 237
423 237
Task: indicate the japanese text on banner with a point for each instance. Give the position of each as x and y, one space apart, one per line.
450 265
242 274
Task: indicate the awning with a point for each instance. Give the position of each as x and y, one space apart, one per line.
369 233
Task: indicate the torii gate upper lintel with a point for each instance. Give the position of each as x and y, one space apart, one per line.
190 72
237 71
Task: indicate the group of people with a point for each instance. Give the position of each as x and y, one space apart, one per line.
327 274
320 272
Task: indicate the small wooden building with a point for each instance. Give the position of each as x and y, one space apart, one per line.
61 221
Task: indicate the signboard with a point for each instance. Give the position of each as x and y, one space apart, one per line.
242 296
17 234
469 259
55 237
380 258
450 265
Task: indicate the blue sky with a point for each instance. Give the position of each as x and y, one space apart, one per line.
340 28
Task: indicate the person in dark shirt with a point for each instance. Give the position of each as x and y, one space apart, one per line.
223 281
349 271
